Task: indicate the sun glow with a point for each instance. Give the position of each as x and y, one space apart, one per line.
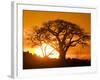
46 50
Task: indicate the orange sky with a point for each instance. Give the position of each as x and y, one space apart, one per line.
37 18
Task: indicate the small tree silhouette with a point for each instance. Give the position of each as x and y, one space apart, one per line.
61 35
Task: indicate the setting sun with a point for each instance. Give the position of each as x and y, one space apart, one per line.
46 50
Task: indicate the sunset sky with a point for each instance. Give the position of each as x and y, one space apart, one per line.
37 18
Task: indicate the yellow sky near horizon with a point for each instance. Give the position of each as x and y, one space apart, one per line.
37 18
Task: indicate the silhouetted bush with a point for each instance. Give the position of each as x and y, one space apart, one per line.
33 61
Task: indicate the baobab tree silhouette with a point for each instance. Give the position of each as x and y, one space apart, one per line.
61 35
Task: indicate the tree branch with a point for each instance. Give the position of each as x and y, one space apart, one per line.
55 34
77 40
45 49
64 37
74 42
71 38
51 31
69 42
50 52
66 48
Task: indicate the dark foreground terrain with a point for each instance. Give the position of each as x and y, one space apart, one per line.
32 62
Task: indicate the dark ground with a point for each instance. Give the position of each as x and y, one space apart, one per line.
32 62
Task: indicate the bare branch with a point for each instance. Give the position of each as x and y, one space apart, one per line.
64 37
50 52
45 49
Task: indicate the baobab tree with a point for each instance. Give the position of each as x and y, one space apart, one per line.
61 35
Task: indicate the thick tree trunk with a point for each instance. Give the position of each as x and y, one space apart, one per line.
62 56
63 52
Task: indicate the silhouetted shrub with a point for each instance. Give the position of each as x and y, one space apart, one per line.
33 61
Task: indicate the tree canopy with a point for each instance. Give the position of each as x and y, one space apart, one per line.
60 34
